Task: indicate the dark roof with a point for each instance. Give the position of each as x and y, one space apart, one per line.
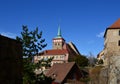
115 25
11 39
60 71
71 51
74 48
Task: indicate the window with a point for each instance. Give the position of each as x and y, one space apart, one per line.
56 57
46 58
119 32
119 43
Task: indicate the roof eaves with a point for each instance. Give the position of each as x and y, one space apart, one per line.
110 28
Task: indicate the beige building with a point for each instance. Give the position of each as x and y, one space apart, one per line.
100 56
112 41
61 51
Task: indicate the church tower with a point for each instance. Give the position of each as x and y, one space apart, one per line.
58 41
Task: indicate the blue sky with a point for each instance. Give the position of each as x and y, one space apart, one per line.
82 22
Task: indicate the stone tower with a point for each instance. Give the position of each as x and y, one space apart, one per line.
58 41
112 40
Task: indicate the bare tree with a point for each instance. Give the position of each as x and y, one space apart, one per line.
92 59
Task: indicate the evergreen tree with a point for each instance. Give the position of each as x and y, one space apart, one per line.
32 43
81 60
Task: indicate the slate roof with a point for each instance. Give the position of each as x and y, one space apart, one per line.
60 71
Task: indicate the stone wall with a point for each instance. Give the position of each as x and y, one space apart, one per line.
109 74
112 47
114 70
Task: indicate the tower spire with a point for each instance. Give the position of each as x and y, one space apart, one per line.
59 32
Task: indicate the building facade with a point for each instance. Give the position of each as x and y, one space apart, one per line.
100 57
61 51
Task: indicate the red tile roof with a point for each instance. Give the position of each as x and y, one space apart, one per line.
55 52
116 24
60 71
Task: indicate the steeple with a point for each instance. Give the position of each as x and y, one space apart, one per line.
58 41
59 32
